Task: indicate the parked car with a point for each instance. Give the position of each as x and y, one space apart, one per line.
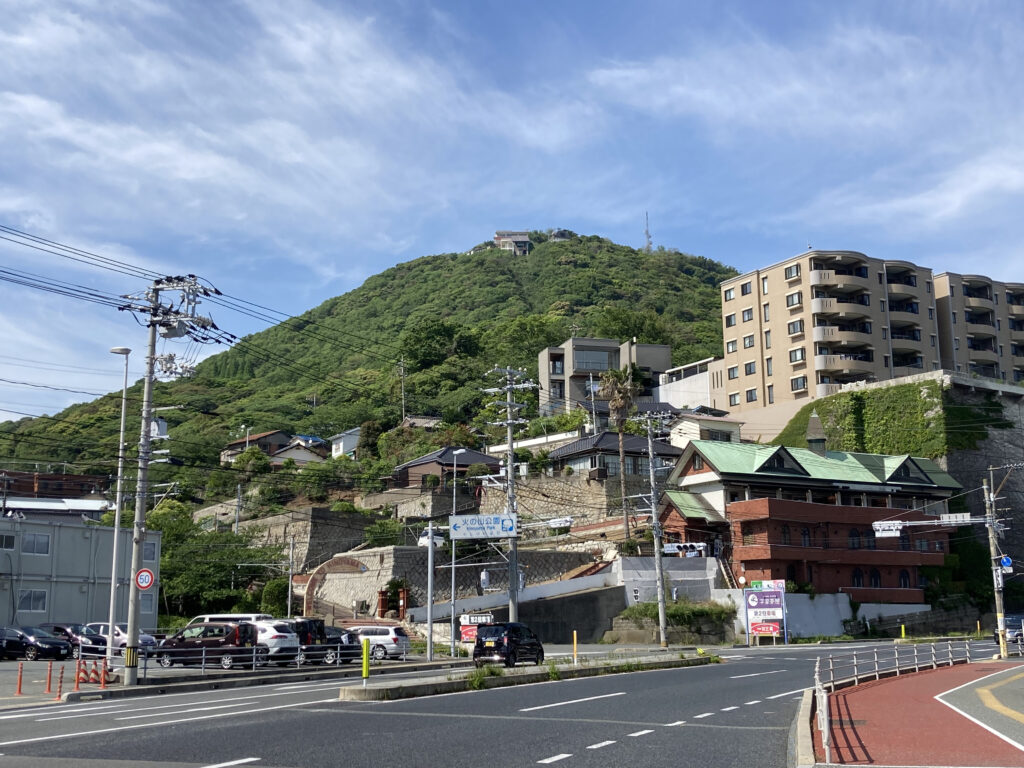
84 640
508 643
146 641
221 643
317 647
33 643
385 642
345 642
279 639
1014 630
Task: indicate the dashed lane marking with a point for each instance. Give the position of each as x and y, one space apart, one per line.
706 714
601 744
640 733
729 709
757 674
748 703
241 761
553 759
677 722
572 701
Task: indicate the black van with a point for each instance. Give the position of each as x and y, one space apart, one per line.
508 642
226 644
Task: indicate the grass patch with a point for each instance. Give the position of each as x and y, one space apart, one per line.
553 673
476 677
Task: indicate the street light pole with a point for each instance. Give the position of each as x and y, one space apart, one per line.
451 539
112 613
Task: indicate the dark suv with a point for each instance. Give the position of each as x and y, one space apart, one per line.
507 642
212 643
84 640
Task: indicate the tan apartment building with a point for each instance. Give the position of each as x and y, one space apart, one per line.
571 372
981 324
801 328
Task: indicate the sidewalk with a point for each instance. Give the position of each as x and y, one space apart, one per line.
898 721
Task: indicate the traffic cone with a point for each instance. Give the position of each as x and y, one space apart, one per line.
108 673
81 674
94 675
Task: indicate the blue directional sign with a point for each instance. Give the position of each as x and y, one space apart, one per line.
502 526
1006 561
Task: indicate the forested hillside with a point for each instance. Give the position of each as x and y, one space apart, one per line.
445 320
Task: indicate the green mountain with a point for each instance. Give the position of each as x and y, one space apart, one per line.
444 320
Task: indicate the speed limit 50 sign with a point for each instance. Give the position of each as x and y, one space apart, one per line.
144 578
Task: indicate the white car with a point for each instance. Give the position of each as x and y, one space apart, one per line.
385 642
424 540
279 639
146 641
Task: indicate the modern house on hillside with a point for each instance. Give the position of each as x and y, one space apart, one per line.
806 515
268 442
597 456
516 241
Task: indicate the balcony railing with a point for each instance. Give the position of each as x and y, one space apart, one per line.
910 280
907 335
910 307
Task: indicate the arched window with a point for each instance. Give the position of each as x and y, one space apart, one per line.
876 578
805 537
904 579
869 539
785 535
854 538
858 577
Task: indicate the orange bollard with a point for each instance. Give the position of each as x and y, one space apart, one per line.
78 675
60 683
103 676
21 669
49 676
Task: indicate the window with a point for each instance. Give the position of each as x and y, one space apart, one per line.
734 372
748 315
748 341
734 398
730 320
771 394
764 310
904 579
858 578
35 544
767 339
764 285
7 541
147 602
698 461
881 304
149 551
954 317
795 327
931 313
751 395
32 600
749 369
729 294
876 578
797 355
798 384
792 271
805 537
767 366
904 541
784 535
885 334
794 299
933 339
869 539
928 286
854 538
730 346
745 289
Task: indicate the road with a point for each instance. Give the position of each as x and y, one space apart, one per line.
738 712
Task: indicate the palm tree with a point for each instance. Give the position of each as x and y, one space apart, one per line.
621 387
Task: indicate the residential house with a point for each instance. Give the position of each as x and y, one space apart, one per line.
516 241
703 424
268 442
345 443
302 449
806 515
597 456
53 485
441 463
693 385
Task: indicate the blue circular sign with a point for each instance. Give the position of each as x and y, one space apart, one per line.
1006 561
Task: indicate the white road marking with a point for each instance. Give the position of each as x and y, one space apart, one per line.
640 733
677 722
553 759
572 701
757 674
235 762
787 693
128 708
1004 737
179 712
706 714
729 709
755 701
600 744
162 723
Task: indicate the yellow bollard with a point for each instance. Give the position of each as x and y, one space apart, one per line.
574 647
903 631
366 659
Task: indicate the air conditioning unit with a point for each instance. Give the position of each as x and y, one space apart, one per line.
598 473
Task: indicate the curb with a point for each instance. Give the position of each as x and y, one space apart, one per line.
384 692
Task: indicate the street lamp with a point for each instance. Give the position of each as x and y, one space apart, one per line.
112 614
451 538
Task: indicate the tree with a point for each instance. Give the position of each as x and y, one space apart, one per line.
621 387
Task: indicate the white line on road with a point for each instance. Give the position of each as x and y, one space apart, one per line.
748 703
757 674
242 761
573 701
993 731
178 712
729 709
553 759
640 733
600 744
787 693
706 714
677 722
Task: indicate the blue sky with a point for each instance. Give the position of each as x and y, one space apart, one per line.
287 151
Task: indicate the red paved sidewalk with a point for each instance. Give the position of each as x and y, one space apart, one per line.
897 721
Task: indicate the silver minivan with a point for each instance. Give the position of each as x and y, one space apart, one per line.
385 642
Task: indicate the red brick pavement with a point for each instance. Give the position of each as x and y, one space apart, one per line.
897 721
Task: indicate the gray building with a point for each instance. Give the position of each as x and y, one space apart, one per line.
55 564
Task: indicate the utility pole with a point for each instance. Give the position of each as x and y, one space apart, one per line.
291 570
430 590
512 384
593 407
238 506
172 323
997 571
659 574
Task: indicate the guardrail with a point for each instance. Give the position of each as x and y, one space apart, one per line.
834 672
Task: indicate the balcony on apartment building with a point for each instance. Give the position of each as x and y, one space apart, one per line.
860 362
977 292
903 309
845 334
905 338
985 370
980 323
841 304
901 282
1016 329
906 364
982 350
1015 300
1018 375
851 276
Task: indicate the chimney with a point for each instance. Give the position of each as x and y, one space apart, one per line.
815 434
